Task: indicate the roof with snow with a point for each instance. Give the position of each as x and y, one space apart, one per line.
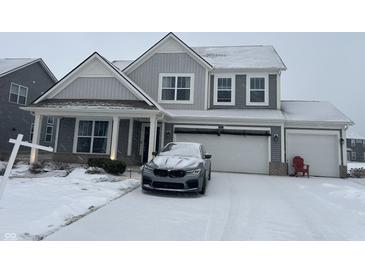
121 64
352 134
8 65
241 57
313 111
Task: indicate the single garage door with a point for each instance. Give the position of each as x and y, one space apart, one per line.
319 150
233 153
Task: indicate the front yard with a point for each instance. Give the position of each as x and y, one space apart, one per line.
33 206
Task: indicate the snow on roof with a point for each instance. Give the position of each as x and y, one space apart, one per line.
352 134
121 64
9 64
313 111
241 57
260 114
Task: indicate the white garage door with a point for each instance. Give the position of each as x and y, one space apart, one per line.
233 153
319 150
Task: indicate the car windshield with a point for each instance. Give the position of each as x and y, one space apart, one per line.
181 149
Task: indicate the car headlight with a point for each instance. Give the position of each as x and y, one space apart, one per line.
148 168
194 171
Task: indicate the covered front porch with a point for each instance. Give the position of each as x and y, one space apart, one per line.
118 130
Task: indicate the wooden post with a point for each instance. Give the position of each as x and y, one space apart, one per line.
36 137
152 140
115 132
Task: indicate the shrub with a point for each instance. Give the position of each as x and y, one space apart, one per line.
357 172
36 168
110 166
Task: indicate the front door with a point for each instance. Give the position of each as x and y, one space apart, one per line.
146 140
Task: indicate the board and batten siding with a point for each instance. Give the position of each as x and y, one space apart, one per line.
241 89
146 76
98 88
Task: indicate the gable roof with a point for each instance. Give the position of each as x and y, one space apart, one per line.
147 54
9 65
242 57
119 75
121 64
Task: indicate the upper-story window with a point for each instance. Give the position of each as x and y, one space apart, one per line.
18 94
257 92
353 156
224 90
176 88
352 142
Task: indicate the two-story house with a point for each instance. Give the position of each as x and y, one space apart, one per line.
227 98
21 81
355 146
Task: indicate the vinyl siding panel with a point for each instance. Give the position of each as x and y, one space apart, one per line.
98 88
275 145
146 76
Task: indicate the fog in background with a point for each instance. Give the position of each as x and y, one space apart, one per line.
321 66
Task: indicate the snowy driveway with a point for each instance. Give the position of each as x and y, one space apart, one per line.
236 207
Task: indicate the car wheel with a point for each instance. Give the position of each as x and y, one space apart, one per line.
204 186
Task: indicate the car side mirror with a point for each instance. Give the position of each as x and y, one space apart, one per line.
207 156
154 153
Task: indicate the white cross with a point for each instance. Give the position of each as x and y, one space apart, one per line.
17 143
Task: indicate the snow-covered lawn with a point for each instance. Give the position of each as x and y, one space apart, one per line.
236 207
351 165
32 208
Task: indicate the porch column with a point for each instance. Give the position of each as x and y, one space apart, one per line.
152 140
130 137
115 133
36 137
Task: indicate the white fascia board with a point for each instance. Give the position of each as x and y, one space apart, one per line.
316 124
246 70
148 54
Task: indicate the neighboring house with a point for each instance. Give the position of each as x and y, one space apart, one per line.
355 146
21 81
227 98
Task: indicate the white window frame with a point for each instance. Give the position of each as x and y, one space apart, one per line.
31 132
353 156
76 135
233 89
17 94
358 141
50 120
176 75
353 143
248 89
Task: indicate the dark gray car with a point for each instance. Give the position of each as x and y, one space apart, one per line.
179 167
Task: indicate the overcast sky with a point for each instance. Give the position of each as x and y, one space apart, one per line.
321 66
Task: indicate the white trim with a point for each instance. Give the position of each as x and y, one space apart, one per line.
278 90
248 89
58 121
18 93
31 132
162 135
233 89
316 132
141 141
344 146
152 137
150 52
36 137
130 136
206 90
176 75
195 126
48 134
76 133
114 141
282 137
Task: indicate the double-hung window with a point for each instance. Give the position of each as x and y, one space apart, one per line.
176 88
257 92
224 90
18 94
49 129
31 132
353 142
92 136
353 156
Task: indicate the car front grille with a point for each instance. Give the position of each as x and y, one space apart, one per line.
168 185
170 173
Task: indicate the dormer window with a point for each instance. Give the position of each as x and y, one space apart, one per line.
257 92
224 90
176 88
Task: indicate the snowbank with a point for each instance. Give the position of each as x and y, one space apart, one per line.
34 207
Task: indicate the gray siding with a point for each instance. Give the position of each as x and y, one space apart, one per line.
14 120
275 145
359 149
240 100
102 88
147 76
66 135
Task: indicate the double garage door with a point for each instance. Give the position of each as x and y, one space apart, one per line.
320 149
233 153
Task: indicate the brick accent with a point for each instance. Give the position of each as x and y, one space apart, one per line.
343 171
278 169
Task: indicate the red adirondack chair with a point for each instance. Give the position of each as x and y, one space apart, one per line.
299 166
